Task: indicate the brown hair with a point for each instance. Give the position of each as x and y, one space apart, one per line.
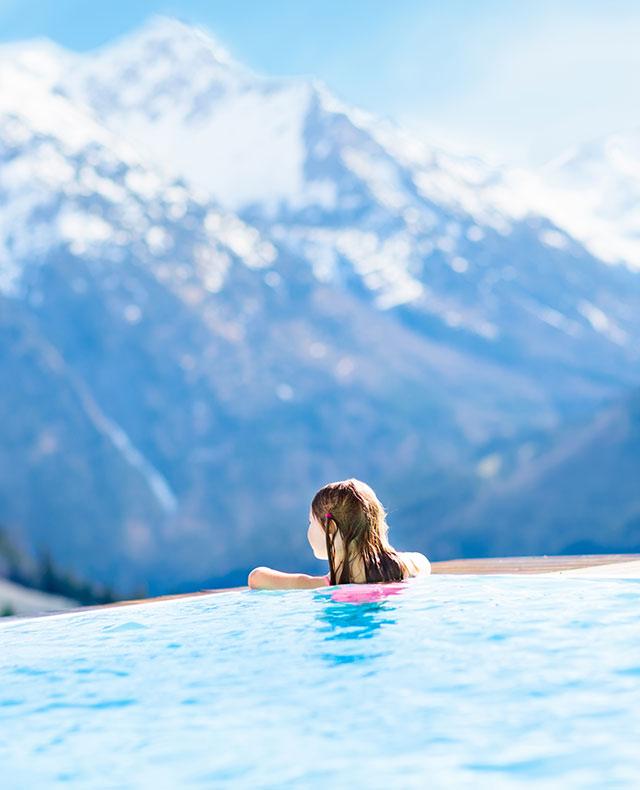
351 508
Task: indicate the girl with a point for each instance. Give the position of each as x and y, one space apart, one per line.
347 527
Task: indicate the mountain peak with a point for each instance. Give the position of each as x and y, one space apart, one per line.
172 38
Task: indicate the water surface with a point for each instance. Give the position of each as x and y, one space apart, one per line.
489 681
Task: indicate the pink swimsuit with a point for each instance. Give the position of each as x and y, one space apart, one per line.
364 593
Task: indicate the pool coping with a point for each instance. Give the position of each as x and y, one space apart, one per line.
540 564
621 566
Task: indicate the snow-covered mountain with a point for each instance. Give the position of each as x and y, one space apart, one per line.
593 191
450 239
218 290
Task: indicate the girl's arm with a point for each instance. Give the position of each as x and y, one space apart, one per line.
270 579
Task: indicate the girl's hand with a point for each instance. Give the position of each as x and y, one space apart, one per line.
270 579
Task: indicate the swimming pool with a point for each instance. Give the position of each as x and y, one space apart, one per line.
488 681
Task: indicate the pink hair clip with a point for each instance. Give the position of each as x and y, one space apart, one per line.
328 515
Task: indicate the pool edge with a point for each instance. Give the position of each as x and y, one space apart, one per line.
624 566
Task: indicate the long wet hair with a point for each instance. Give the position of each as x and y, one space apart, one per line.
351 509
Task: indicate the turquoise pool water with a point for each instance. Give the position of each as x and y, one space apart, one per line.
487 681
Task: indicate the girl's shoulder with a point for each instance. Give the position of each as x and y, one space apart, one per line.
417 563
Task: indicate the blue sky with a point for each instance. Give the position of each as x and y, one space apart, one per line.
518 80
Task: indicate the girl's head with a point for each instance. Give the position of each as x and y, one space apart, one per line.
348 527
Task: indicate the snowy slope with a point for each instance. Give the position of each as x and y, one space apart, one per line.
178 80
286 152
593 191
18 600
252 138
290 150
456 244
104 191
